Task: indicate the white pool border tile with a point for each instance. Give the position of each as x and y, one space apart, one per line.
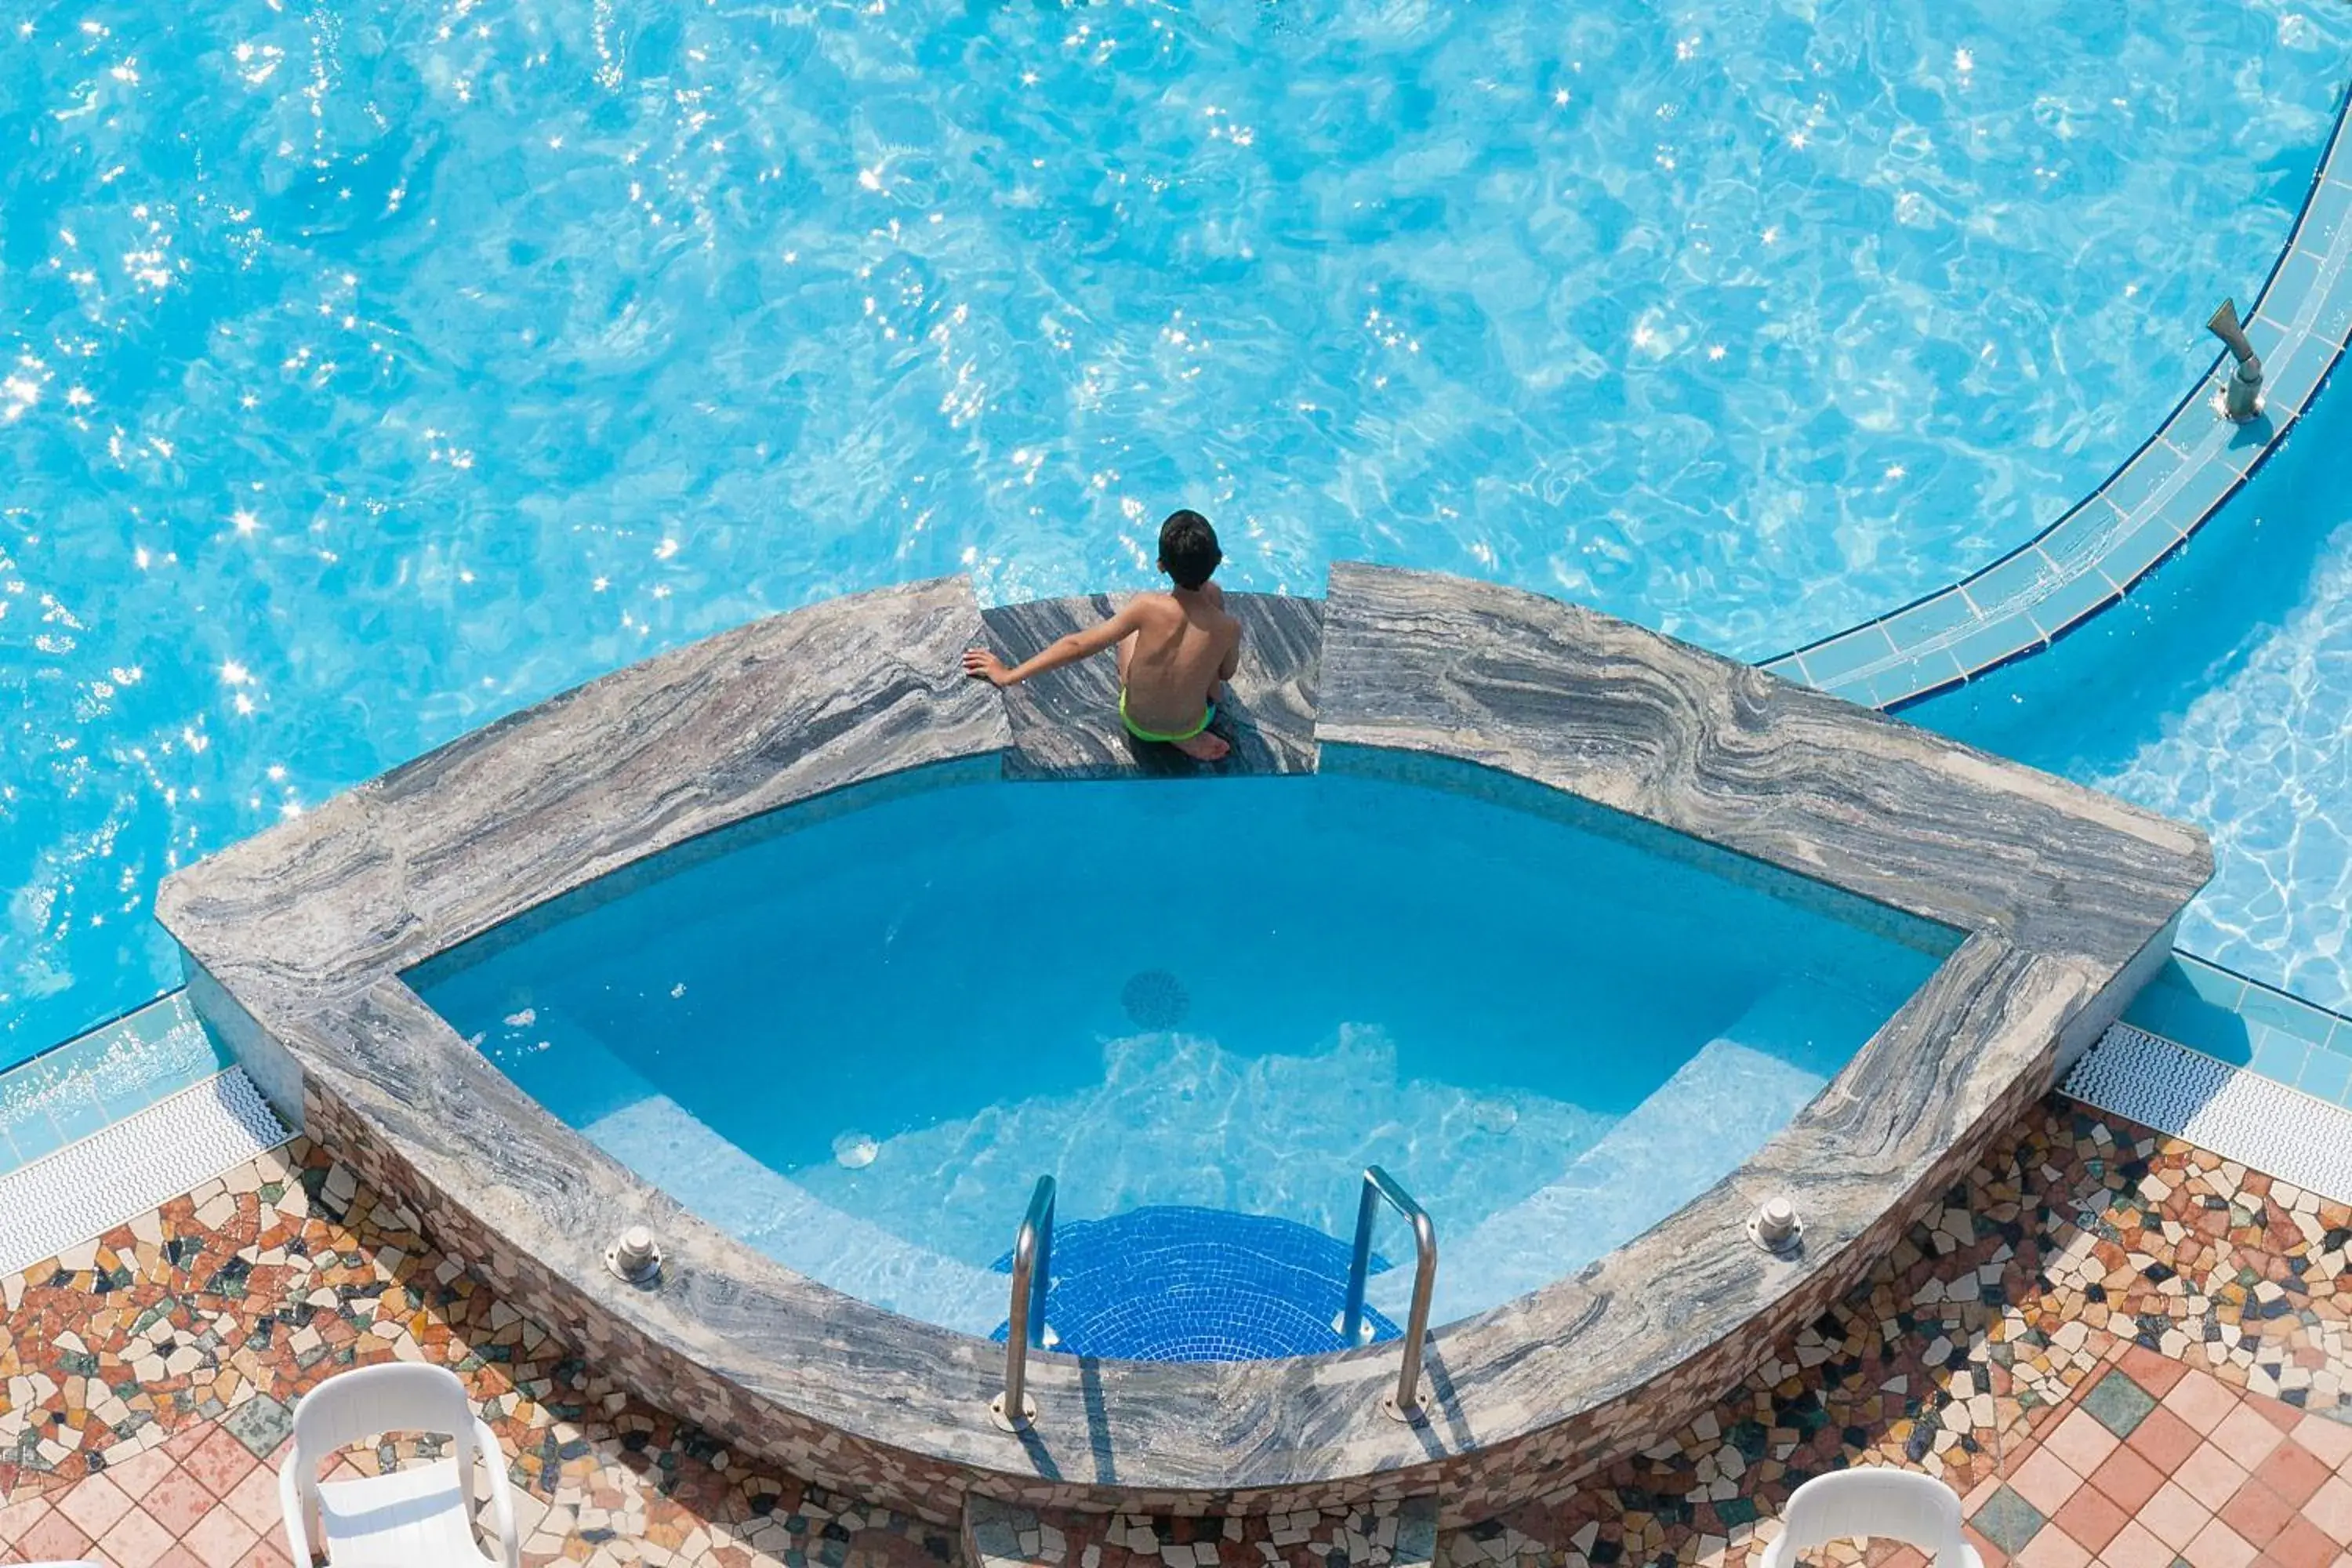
2234 1112
132 1167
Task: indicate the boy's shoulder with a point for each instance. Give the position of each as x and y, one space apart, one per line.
1156 603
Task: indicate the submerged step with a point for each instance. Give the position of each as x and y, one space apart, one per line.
1176 1283
1716 1110
1401 1534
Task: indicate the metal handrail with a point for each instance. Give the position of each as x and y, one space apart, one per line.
1405 1404
1033 1262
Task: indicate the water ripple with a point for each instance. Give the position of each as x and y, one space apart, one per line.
368 371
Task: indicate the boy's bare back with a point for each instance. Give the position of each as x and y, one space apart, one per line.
1172 666
1176 650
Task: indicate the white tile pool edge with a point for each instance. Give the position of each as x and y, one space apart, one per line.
132 1167
2236 1113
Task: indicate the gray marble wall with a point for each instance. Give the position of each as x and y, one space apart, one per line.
299 937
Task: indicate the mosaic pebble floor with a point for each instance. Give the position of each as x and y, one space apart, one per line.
2121 1349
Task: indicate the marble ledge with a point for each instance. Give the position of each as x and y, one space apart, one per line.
1726 753
597 778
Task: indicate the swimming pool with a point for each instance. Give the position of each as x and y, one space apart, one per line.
373 373
2219 693
1227 996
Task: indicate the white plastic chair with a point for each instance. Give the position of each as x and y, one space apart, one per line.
418 1517
1884 1504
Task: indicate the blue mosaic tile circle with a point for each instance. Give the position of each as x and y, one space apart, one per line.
1194 1284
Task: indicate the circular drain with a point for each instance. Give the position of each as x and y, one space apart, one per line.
1155 999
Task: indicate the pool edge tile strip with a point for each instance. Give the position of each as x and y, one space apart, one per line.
2249 1024
2236 1113
131 1167
2153 503
117 1069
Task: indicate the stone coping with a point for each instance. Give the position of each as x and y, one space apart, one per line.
2145 511
297 940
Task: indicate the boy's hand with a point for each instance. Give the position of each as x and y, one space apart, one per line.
982 665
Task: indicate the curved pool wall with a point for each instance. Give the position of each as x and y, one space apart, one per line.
296 941
2146 512
857 1042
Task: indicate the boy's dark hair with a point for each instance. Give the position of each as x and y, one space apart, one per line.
1187 548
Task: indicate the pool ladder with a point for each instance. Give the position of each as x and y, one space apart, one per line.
1013 1410
1025 1324
1379 1187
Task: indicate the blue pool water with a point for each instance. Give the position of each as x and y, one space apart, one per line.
368 371
2221 692
857 1044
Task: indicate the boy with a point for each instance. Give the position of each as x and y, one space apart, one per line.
1176 650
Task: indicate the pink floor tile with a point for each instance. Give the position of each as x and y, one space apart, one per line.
220 1461
2081 1442
2293 1471
2052 1548
2152 1372
2248 1435
221 1539
2330 1508
2173 1517
2211 1475
2201 1401
2277 1411
2045 1480
2329 1441
135 1541
94 1505
52 1535
183 1442
268 1552
177 1501
2257 1513
138 1473
19 1516
2090 1517
2126 1479
254 1500
1993 1556
2301 1544
2219 1546
2164 1439
2134 1547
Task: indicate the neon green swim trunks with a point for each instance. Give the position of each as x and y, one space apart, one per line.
1208 713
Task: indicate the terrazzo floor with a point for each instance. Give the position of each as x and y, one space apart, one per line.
2119 1348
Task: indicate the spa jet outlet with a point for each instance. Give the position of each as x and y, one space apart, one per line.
1774 1226
636 1256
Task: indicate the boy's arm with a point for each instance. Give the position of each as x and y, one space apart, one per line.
983 665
